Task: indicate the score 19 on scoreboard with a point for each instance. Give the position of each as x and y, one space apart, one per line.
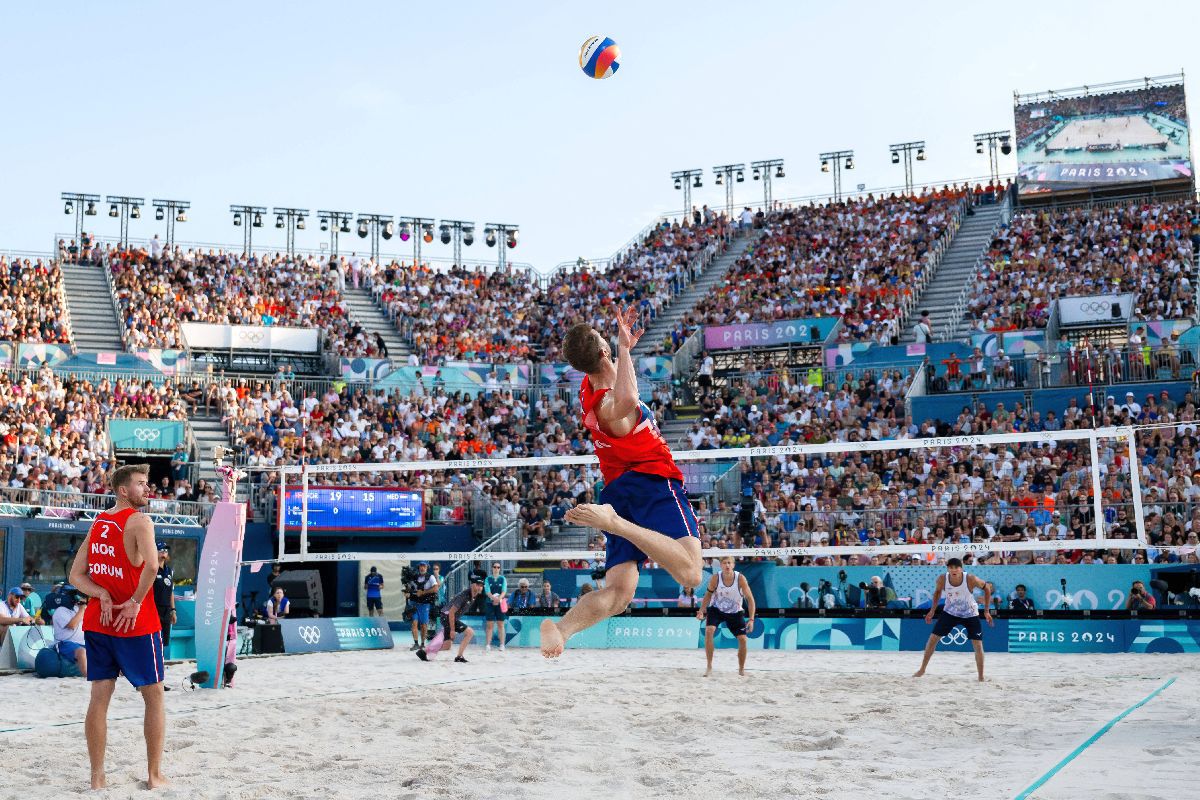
339 508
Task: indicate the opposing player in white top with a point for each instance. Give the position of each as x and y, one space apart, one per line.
961 609
723 603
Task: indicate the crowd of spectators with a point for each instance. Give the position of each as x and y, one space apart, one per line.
54 438
1142 247
158 288
32 301
483 315
859 259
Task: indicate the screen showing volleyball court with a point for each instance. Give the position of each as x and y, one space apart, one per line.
1130 132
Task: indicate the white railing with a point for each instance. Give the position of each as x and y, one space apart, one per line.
959 309
933 260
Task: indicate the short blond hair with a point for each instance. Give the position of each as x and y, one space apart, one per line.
123 475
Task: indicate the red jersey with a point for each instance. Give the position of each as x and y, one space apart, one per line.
109 567
641 450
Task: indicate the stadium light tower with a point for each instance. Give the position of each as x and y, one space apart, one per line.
833 161
994 140
687 179
336 222
905 150
492 232
765 168
292 219
172 211
727 174
253 219
375 226
80 205
419 229
460 232
125 208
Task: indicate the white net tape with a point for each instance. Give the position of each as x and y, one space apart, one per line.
1120 442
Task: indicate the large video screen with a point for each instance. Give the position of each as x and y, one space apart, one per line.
1077 139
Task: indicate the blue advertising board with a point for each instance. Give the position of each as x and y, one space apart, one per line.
323 634
338 508
1035 635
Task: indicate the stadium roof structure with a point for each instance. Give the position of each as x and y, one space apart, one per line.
1050 95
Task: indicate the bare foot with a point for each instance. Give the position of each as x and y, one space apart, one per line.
157 782
99 781
552 640
742 672
591 515
919 673
708 672
981 679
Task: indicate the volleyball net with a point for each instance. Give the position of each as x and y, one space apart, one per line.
924 498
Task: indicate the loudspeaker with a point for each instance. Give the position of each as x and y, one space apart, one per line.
303 589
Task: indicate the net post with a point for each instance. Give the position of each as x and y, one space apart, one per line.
303 509
1097 496
1135 485
282 548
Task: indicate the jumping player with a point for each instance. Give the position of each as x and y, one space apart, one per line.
961 608
722 603
644 506
116 566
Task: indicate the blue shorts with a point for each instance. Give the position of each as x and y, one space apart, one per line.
652 501
138 658
421 614
492 612
67 649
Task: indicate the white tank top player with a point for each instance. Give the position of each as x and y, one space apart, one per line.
723 601
728 599
960 600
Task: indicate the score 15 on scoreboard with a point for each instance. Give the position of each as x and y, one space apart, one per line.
356 508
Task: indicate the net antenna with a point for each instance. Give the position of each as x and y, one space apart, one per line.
1123 438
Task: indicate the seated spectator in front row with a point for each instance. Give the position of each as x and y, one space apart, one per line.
522 597
12 612
277 606
1020 601
547 599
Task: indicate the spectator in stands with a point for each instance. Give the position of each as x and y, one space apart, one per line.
1020 600
523 598
277 606
547 600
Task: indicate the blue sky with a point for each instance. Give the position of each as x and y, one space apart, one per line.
479 111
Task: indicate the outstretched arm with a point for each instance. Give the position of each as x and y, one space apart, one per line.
625 392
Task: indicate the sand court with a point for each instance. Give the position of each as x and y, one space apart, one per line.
633 723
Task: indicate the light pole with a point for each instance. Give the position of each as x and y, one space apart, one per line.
727 174
419 229
460 232
336 222
492 231
80 205
833 161
172 211
908 148
125 208
765 167
253 219
995 140
687 179
375 226
291 219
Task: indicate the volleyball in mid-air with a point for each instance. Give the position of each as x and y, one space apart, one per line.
599 57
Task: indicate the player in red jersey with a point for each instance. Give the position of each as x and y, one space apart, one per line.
116 565
644 507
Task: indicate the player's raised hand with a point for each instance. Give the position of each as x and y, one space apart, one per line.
627 317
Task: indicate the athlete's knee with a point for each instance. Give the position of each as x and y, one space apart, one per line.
691 577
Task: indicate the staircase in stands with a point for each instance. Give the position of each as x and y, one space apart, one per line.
364 311
94 323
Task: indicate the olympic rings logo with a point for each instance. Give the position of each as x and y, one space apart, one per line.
958 635
251 336
1096 307
146 434
310 634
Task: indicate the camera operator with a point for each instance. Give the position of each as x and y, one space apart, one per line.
68 629
1139 598
876 593
841 593
804 601
164 595
422 590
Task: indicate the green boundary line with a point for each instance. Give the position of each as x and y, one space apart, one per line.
1091 740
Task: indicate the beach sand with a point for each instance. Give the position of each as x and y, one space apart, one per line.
629 723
